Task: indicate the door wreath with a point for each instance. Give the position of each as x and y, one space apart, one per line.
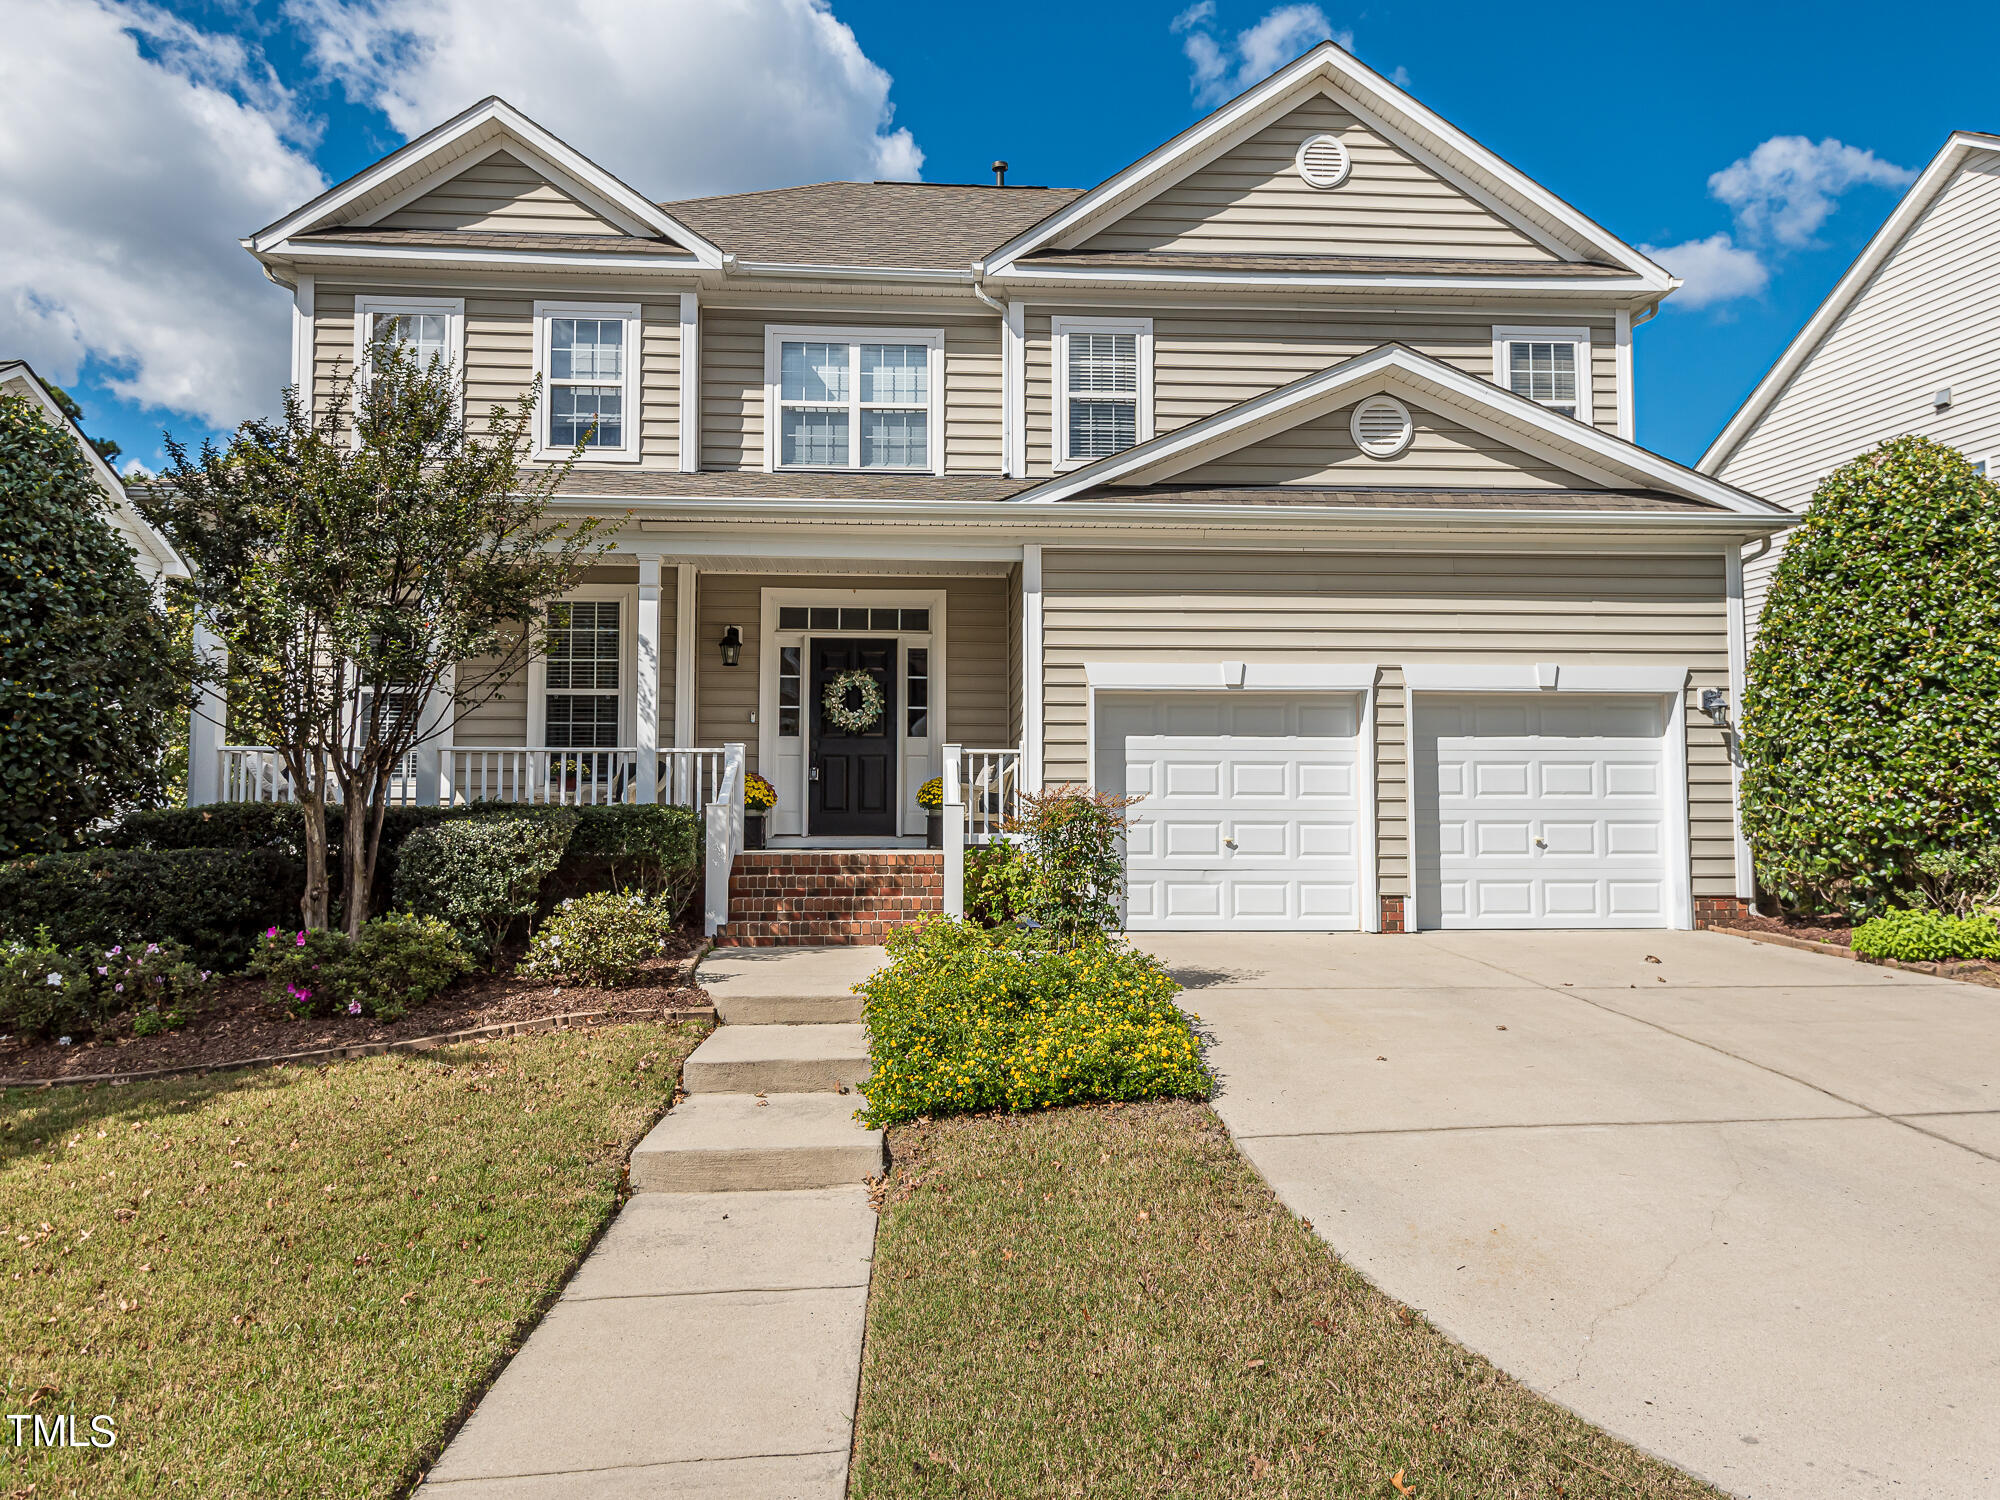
857 718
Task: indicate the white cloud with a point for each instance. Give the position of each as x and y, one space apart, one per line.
678 97
1715 270
1785 189
1222 71
126 174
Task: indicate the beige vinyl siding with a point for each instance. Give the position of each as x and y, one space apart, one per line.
732 383
501 718
1443 453
1206 359
1252 201
1392 609
500 193
976 635
1928 318
500 355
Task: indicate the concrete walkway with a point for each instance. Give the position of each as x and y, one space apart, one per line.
1740 1206
710 1347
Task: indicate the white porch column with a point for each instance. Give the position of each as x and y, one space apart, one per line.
1031 667
684 586
954 831
647 782
440 717
207 722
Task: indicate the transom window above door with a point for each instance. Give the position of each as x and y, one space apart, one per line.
1549 366
854 399
587 354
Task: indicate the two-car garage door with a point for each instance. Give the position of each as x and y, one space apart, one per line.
1526 810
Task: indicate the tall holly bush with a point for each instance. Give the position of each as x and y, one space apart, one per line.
88 669
1871 723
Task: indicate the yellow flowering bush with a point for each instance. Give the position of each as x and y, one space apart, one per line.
965 1019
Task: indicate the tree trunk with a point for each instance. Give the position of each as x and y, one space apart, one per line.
314 903
356 866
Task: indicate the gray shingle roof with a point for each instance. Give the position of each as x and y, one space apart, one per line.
887 224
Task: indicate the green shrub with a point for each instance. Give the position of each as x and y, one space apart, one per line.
482 875
398 962
1074 882
45 990
996 884
963 1019
1871 722
599 939
213 902
1960 882
654 849
1915 937
157 982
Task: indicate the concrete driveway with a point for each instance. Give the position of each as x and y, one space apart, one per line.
1740 1206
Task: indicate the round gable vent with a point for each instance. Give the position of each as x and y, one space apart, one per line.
1382 427
1323 161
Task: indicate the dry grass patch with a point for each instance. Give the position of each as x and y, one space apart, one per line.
291 1281
1109 1302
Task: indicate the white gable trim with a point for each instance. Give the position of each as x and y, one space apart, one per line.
569 168
460 165
1582 449
1944 166
1378 103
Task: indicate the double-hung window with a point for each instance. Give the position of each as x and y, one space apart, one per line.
587 354
1104 386
844 398
583 675
1549 366
431 328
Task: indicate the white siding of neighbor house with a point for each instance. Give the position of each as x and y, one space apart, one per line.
1206 359
500 354
1392 609
500 193
1929 318
1251 200
1443 453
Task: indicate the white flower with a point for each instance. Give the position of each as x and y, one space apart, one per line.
55 979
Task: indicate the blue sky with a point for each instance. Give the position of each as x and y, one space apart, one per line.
158 136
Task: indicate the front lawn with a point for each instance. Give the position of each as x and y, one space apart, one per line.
1108 1302
291 1281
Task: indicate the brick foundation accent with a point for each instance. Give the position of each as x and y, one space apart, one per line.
808 897
1719 911
1392 914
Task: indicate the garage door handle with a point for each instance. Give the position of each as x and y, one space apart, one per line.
1229 843
1541 843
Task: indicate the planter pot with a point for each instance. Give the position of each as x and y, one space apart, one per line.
753 830
933 830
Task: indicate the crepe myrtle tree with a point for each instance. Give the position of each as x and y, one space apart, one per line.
1871 720
353 559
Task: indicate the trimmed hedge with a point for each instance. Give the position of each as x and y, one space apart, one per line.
1871 723
212 901
1924 936
482 875
964 1019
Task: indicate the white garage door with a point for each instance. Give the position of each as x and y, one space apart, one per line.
1251 812
1541 812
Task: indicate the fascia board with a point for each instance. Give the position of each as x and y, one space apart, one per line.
1930 182
1424 128
498 113
289 251
1342 281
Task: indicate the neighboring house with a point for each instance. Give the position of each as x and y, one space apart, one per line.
154 555
1908 341
1285 477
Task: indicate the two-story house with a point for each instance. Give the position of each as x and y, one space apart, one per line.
1908 341
1285 477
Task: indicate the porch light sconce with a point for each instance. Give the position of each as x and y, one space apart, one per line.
1715 703
732 645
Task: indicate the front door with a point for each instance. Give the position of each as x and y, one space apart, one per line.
851 780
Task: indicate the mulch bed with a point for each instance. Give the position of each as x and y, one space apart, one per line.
1838 934
239 1024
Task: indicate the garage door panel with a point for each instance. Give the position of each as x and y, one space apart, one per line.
1250 811
1544 812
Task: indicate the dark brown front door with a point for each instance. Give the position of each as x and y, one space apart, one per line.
852 780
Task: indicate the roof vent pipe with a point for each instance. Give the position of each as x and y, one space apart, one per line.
999 174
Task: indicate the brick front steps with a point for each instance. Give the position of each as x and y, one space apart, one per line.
816 897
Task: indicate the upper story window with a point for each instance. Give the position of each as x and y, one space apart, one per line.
1550 366
1104 386
854 398
430 327
587 354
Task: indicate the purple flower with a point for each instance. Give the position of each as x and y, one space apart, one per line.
102 970
116 951
299 992
270 932
354 1007
118 988
301 942
152 947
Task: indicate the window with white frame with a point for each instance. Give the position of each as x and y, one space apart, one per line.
1549 366
583 674
1104 386
854 399
429 328
587 354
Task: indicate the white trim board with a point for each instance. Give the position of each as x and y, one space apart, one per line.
1543 677
1222 676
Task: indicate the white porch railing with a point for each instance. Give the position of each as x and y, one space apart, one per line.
724 840
990 781
456 776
